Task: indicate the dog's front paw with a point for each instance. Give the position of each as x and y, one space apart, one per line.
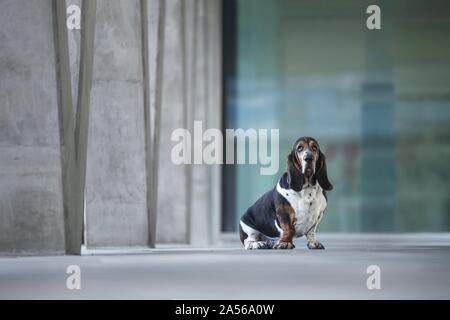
284 245
315 245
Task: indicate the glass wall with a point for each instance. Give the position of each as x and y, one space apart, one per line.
378 101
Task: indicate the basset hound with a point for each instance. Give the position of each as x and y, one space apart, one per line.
293 208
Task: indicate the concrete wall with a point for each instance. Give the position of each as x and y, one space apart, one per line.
118 111
31 205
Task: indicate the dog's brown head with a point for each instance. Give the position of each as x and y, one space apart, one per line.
306 165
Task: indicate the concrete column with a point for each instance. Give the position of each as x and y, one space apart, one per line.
172 195
116 190
31 197
77 149
204 106
189 195
196 81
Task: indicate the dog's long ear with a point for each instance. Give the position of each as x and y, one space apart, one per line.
321 173
295 175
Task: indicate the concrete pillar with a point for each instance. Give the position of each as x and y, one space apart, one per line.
202 51
189 195
116 190
195 76
31 197
172 196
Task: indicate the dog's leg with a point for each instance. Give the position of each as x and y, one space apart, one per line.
311 238
286 216
252 239
255 241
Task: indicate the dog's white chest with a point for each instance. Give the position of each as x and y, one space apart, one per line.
308 204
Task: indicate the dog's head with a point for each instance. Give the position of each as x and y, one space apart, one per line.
306 165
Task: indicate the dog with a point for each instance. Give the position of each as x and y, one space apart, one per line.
294 207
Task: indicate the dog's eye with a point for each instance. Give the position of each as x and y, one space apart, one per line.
314 148
299 148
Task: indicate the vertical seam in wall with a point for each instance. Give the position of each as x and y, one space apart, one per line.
194 83
207 91
218 175
208 87
147 119
215 118
156 136
186 112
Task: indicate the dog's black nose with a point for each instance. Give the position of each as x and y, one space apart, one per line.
308 157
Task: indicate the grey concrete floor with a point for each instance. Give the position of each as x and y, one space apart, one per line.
412 267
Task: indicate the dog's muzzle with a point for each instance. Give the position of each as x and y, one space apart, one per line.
308 164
